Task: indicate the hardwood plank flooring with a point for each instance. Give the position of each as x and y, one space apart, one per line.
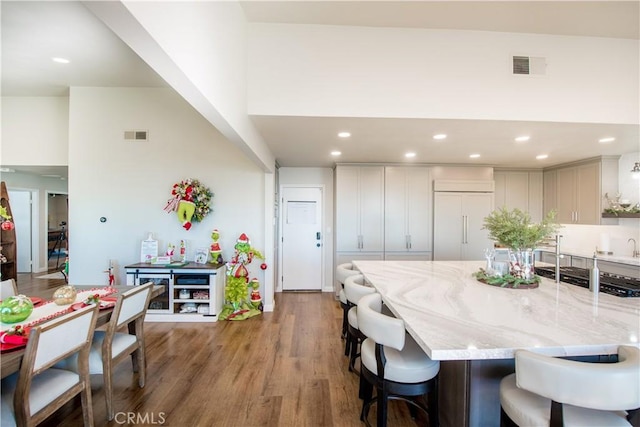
285 368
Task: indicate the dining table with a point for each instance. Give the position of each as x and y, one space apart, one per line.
11 360
474 328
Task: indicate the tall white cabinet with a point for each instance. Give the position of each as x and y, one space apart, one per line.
458 220
407 213
359 218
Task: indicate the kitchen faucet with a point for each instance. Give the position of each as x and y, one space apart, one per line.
636 254
558 256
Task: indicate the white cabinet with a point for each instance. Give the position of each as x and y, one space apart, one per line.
359 208
519 189
579 190
197 287
458 219
407 212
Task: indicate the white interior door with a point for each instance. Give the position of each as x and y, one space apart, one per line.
21 211
302 238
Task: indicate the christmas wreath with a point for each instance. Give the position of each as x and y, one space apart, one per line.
191 200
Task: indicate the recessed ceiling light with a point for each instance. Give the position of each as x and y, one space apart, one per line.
542 156
410 154
607 139
523 138
344 134
474 156
60 60
336 153
440 136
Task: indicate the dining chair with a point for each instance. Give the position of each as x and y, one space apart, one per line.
39 389
394 364
8 288
114 344
355 289
342 272
551 391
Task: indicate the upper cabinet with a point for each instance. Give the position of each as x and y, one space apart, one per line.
407 210
576 192
519 189
359 208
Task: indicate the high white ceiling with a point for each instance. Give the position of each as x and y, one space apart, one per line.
34 32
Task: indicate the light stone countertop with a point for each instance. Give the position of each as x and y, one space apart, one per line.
453 316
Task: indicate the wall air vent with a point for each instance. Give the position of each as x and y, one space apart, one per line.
136 135
528 65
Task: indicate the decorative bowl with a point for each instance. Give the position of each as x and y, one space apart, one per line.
15 309
65 295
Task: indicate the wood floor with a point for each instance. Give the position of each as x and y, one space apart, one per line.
285 368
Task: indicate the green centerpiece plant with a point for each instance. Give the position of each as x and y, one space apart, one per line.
514 230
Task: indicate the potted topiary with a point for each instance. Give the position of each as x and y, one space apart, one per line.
514 230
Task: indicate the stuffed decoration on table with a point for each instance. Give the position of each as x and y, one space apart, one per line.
239 305
216 252
190 200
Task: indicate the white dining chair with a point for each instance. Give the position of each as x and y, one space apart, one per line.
551 391
342 272
39 389
394 364
8 288
355 289
113 345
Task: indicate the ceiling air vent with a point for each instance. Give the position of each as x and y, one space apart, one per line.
527 65
136 135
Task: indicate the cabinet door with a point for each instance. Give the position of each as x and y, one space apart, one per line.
566 195
419 209
347 209
371 186
517 191
588 194
407 218
475 208
549 198
448 223
395 209
535 196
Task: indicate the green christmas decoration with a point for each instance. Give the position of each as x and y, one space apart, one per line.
239 304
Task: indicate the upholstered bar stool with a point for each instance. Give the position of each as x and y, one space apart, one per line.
394 364
342 272
355 289
549 391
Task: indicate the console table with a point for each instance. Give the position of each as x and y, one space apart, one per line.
192 292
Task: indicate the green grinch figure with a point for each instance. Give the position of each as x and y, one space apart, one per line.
238 305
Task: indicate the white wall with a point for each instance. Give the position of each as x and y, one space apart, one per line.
34 131
316 177
200 51
304 70
129 183
627 186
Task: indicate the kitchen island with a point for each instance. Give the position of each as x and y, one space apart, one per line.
474 328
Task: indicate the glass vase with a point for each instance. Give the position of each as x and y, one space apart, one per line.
521 263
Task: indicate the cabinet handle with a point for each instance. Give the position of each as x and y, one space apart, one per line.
463 229
466 229
409 236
